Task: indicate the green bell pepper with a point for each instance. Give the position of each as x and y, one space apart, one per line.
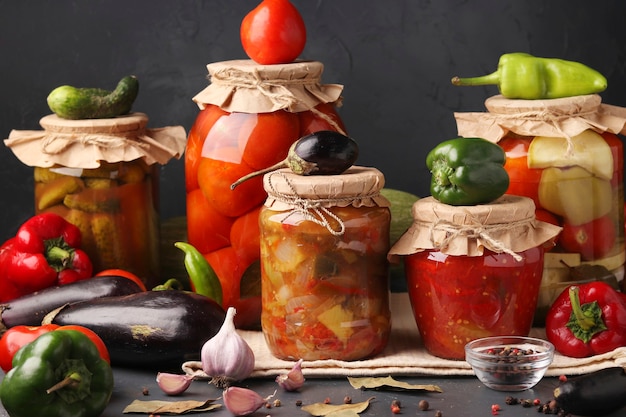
523 76
60 374
467 171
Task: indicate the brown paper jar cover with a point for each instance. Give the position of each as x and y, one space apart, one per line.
247 87
561 117
84 143
506 225
358 187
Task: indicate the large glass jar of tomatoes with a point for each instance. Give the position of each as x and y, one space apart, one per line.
324 265
250 115
103 176
566 156
473 271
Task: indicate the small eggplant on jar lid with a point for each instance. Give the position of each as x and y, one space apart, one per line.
473 271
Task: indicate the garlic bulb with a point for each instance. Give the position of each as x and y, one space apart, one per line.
293 379
227 357
243 401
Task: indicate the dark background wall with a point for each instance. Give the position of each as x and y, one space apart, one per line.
394 57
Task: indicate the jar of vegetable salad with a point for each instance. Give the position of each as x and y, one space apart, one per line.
250 114
102 175
325 284
564 154
473 271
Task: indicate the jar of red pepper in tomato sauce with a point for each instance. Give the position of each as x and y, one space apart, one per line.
102 175
250 115
325 283
567 156
473 271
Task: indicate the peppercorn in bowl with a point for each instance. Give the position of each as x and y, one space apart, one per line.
509 363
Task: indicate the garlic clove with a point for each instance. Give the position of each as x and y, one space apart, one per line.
293 379
173 384
243 401
227 357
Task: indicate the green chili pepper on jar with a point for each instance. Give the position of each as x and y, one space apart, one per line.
523 76
467 171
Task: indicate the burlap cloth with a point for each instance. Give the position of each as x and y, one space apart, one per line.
404 355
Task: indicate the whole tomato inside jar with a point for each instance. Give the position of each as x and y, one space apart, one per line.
324 265
473 271
250 115
566 156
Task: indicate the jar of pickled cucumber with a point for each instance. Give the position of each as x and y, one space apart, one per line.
565 154
473 271
325 284
250 114
103 176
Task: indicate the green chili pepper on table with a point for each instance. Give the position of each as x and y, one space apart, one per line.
467 171
523 76
59 374
204 280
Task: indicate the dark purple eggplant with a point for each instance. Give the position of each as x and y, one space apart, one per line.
594 394
320 153
30 309
148 329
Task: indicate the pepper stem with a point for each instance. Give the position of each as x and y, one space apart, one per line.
72 379
58 258
493 78
585 320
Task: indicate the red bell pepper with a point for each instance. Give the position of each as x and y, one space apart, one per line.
587 319
44 252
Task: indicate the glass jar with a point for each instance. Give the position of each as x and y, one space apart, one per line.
325 284
250 115
473 271
102 175
563 154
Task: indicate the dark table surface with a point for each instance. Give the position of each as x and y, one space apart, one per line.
461 396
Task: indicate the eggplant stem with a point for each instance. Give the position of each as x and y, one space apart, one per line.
281 164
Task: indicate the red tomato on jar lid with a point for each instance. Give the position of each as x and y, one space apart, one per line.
273 33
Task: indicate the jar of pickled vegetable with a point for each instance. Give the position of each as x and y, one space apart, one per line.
325 284
103 176
250 115
473 271
564 154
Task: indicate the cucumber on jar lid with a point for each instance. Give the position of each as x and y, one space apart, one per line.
94 103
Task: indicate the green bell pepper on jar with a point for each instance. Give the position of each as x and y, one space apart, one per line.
523 76
60 374
467 171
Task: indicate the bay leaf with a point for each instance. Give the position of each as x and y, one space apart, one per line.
170 407
337 410
389 382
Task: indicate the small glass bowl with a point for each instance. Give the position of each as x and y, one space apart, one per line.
509 363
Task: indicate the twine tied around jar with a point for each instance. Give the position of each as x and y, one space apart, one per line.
475 231
552 116
55 143
313 210
560 117
276 90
